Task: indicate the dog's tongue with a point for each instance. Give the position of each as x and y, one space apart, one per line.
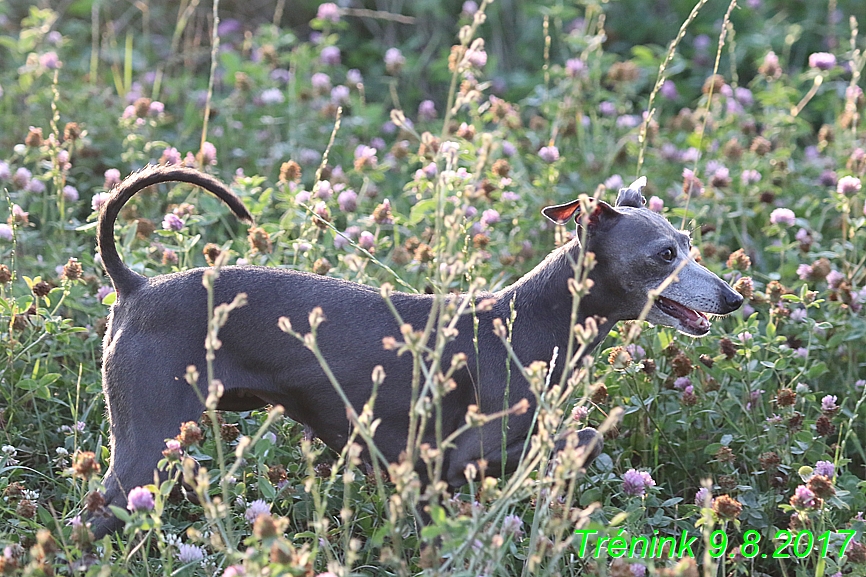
692 319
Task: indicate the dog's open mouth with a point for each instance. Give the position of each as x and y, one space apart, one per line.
691 321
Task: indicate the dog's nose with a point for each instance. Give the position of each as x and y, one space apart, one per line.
732 299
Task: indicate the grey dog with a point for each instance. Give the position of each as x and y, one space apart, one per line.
157 328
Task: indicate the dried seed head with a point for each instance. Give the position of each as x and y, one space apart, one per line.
619 358
727 507
5 274
190 434
229 432
733 149
739 260
265 526
382 213
71 132
619 568
770 461
826 135
649 366
770 66
243 82
14 490
623 72
727 347
714 83
26 508
857 553
804 499
323 470
281 553
169 257
321 266
824 427
775 290
795 423
173 451
599 394
277 474
144 228
290 172
786 397
711 385
82 536
725 455
501 167
85 465
682 365
211 253
94 502
761 146
820 269
822 486
671 350
466 131
71 270
41 289
745 287
45 542
795 523
423 253
689 398
142 107
480 241
259 240
34 137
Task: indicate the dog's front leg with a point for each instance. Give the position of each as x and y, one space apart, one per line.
147 404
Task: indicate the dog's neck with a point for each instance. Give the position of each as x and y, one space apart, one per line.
542 300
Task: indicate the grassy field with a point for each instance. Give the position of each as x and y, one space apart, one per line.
415 146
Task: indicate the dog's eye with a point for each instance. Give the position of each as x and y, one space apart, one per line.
668 254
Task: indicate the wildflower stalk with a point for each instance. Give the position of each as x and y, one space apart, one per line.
378 15
273 414
365 252
467 33
278 12
546 66
214 52
858 62
702 132
217 317
706 523
849 426
310 342
362 425
57 170
128 46
94 41
816 84
324 163
581 268
660 80
507 395
185 11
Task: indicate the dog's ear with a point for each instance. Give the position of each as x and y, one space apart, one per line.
632 196
562 213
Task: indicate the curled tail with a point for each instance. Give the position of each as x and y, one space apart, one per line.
125 279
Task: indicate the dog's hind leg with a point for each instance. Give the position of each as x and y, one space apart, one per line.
147 403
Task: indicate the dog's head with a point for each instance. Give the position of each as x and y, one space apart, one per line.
639 251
